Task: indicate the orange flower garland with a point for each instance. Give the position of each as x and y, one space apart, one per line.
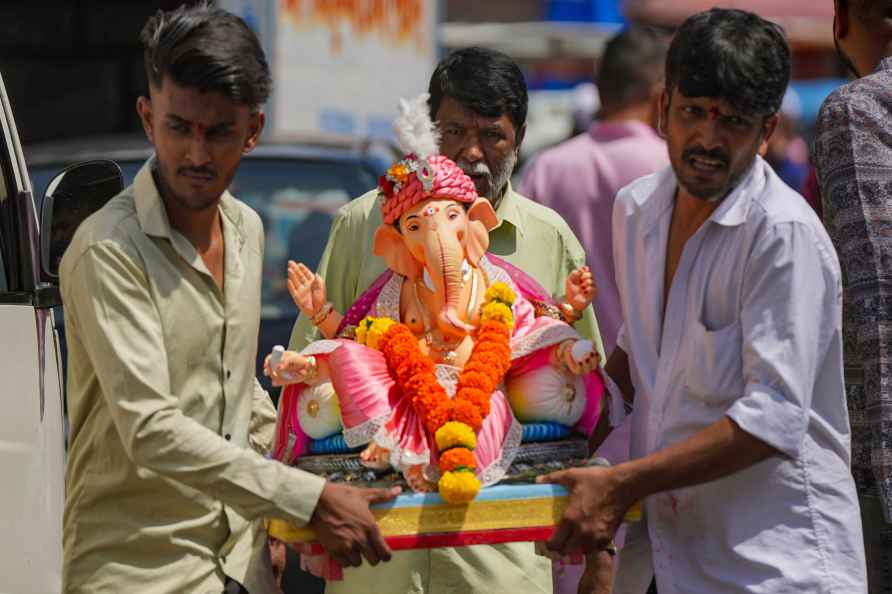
462 417
457 459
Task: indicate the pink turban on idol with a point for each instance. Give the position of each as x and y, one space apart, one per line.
414 180
423 173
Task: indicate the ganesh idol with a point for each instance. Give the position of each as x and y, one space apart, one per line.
438 363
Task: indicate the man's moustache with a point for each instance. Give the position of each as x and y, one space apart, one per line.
716 154
478 168
196 171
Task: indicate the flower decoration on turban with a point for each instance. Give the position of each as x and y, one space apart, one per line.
423 173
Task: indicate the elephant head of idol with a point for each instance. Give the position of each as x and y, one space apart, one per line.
434 226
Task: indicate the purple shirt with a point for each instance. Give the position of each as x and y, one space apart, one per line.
579 179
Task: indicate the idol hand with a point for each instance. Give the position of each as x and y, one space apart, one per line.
290 368
578 356
307 289
581 289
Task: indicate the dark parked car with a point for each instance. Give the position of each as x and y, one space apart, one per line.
296 185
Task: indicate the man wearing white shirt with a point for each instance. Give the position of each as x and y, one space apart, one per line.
731 348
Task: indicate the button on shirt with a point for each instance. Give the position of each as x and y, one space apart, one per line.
751 331
161 369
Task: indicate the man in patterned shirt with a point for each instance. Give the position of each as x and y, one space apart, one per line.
853 157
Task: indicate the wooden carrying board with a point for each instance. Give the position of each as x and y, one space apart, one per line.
499 514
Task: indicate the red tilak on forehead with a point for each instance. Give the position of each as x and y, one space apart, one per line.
714 113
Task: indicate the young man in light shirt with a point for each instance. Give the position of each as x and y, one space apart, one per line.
166 484
731 347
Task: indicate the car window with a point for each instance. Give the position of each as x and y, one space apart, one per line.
295 197
296 200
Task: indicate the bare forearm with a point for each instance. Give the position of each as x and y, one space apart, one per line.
721 449
617 367
600 434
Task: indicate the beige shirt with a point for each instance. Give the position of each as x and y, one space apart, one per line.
166 415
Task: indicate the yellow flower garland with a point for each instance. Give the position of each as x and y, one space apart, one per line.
499 292
455 435
370 330
458 486
497 312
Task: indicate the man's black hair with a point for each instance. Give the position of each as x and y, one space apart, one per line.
631 66
208 49
484 80
732 55
869 11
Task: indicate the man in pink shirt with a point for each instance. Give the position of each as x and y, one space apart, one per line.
580 177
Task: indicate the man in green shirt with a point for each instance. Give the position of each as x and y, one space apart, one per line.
479 99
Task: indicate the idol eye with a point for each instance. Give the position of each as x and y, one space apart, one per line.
413 227
453 215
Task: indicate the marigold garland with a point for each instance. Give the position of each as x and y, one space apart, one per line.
458 487
455 435
370 330
454 423
457 459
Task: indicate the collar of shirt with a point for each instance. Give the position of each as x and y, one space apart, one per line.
658 197
607 131
153 217
507 212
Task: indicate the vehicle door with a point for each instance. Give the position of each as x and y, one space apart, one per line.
31 426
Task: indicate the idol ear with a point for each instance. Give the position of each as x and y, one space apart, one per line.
390 245
481 210
482 218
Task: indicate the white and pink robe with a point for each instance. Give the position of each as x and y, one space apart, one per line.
373 408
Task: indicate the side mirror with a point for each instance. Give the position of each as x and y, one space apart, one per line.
71 196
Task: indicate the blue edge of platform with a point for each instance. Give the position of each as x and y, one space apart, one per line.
532 433
496 493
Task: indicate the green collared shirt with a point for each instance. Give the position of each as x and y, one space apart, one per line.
530 236
167 419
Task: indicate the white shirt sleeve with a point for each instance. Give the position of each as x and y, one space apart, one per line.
621 339
790 304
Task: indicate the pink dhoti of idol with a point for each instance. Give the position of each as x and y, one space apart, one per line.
373 408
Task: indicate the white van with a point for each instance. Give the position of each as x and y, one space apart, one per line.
32 437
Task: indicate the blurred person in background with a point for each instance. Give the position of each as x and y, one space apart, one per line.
787 151
478 98
853 155
585 105
580 177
